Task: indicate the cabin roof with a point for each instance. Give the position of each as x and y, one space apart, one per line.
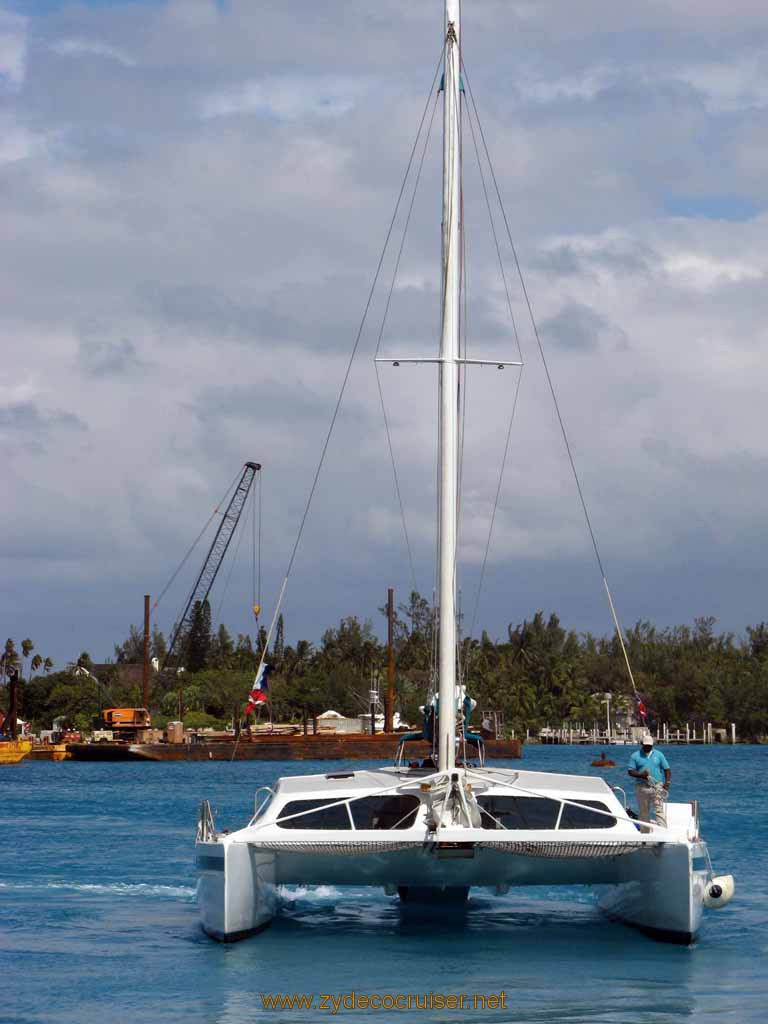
551 783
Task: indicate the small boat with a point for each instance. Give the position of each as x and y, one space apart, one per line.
428 831
13 751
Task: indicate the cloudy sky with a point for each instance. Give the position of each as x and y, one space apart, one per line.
194 198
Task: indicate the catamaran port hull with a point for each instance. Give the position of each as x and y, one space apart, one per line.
235 890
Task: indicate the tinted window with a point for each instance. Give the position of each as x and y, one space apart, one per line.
384 811
330 817
578 817
518 811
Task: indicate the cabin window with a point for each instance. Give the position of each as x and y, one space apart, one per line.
580 817
324 818
384 812
526 812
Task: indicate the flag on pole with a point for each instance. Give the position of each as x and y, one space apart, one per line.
259 691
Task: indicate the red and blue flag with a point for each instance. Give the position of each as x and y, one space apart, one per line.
260 690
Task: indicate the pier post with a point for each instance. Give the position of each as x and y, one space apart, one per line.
733 732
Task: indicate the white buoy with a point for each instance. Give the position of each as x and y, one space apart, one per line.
719 891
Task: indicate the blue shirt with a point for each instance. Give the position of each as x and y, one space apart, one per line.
655 762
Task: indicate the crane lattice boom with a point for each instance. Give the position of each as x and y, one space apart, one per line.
215 556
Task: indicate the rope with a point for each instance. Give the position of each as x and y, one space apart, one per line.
617 625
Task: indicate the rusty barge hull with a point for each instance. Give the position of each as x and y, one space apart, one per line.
102 752
382 747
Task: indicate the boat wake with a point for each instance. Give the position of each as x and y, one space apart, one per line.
309 895
126 889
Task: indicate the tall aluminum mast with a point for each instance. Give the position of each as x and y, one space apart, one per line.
448 384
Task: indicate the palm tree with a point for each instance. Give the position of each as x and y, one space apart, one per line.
27 646
35 664
47 665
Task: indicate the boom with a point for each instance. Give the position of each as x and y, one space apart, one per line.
215 556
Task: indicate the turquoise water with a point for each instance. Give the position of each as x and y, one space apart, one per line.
98 918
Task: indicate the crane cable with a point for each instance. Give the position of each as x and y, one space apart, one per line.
195 542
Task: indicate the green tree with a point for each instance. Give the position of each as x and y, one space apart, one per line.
278 645
27 646
158 646
222 649
131 651
198 645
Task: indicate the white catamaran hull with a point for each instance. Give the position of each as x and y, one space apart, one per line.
235 890
655 888
656 881
663 894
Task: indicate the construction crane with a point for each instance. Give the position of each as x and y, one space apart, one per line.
214 558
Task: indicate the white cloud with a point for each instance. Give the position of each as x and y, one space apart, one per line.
91 47
13 49
288 97
18 142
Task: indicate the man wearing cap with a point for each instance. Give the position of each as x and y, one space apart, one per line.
651 771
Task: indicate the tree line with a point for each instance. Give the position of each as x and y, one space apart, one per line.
539 673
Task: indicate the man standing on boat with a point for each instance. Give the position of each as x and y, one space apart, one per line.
651 771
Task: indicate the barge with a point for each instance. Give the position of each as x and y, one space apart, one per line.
337 747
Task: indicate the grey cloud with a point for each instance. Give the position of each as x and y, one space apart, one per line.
621 258
581 328
26 426
105 358
219 269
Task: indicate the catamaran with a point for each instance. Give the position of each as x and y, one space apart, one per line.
430 830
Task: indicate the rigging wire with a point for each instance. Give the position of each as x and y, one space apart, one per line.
563 431
379 340
347 373
517 386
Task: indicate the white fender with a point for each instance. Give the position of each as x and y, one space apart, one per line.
719 891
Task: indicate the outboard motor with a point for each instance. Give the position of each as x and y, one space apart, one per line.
719 891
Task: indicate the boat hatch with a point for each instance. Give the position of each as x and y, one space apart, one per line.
363 813
521 812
